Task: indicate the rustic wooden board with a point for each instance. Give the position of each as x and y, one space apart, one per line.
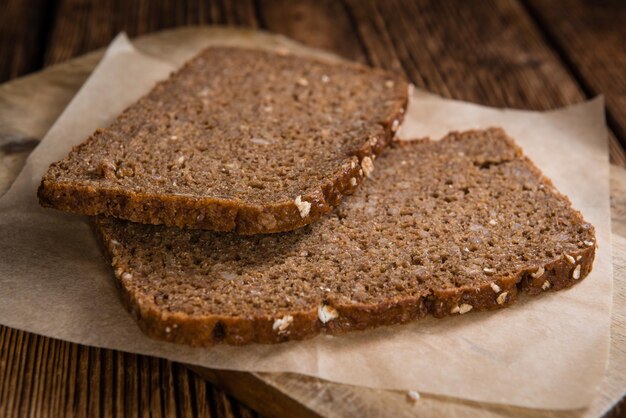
83 26
490 52
73 27
21 33
273 394
591 37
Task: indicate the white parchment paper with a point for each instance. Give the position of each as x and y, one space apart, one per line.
544 352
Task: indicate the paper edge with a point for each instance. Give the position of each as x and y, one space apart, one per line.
125 45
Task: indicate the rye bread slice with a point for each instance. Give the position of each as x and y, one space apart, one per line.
443 228
237 140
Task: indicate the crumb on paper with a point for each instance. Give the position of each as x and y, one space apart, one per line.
413 395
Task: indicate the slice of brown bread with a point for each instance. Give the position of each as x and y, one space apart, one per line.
237 140
442 228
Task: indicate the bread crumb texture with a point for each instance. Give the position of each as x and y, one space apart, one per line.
229 141
416 239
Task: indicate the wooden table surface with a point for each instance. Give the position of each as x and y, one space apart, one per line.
527 54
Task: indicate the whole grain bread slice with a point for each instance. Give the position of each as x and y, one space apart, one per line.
237 140
443 228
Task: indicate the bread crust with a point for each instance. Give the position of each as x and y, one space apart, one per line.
552 274
208 330
200 210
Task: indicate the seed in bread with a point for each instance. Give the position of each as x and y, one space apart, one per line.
232 142
414 240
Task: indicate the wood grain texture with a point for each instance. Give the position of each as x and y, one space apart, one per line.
322 24
320 398
85 25
591 37
23 29
44 377
495 56
489 52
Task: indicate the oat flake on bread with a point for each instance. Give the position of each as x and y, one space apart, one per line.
414 240
231 141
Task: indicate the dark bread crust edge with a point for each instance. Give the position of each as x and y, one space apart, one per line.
208 330
226 215
214 213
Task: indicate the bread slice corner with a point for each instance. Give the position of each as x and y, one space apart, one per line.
443 228
240 140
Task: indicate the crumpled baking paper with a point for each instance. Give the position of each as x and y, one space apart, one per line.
544 352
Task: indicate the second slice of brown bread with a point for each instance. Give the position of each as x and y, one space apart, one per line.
443 228
237 140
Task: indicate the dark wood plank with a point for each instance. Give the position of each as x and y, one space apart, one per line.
321 24
381 43
256 392
45 377
591 37
85 25
86 381
489 52
23 28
